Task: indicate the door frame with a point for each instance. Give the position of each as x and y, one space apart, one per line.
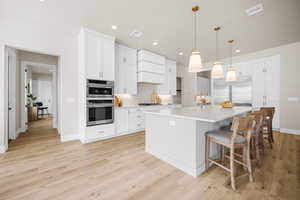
24 118
4 92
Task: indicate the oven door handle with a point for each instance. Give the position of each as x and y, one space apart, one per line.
99 86
100 105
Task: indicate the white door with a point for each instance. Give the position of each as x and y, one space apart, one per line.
12 61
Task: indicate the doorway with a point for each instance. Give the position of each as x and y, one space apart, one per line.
33 91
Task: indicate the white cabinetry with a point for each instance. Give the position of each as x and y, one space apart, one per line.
96 61
168 87
136 119
98 55
121 120
151 67
126 70
266 85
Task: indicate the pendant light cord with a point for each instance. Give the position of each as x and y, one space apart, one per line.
217 45
195 31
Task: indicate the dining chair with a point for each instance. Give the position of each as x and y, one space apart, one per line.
239 137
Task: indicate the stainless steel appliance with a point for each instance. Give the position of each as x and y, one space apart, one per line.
99 89
239 92
100 111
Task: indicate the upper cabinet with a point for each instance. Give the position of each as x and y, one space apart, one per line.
126 70
98 55
168 87
151 67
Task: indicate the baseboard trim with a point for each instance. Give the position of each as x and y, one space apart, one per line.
68 138
290 131
2 149
19 131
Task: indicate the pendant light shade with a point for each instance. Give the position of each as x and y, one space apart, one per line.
217 70
195 63
231 73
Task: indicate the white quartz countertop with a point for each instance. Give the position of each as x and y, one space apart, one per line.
207 114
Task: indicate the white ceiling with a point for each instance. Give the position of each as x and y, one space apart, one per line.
169 22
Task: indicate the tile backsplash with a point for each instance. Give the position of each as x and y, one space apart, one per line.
144 96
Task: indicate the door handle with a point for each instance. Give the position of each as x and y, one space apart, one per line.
9 108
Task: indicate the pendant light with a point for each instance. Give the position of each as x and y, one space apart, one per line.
217 71
195 63
231 73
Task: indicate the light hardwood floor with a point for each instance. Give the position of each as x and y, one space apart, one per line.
39 167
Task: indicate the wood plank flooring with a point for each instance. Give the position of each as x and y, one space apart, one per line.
38 166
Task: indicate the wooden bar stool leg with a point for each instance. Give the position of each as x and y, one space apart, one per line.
223 154
257 150
232 170
207 152
249 163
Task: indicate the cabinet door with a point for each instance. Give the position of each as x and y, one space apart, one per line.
120 70
172 78
163 88
92 55
258 84
107 67
272 95
131 71
121 116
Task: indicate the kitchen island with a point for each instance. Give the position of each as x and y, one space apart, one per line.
177 135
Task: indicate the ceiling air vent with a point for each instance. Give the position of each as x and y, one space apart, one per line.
255 9
136 34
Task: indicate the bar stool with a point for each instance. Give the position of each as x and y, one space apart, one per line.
238 138
267 128
257 136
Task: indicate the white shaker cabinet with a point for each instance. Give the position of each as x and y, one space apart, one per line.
121 120
266 85
168 87
126 70
98 55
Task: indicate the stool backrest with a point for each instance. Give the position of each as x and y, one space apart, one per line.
242 126
258 118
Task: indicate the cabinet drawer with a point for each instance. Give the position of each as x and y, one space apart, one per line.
144 55
101 131
144 66
147 77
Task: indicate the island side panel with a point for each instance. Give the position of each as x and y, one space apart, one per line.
172 140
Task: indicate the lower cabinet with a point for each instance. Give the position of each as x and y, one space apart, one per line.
129 120
95 133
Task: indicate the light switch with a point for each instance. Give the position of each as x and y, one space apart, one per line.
172 123
293 99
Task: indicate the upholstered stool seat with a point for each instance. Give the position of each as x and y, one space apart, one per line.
225 136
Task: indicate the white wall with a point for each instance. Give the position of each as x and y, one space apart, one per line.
42 89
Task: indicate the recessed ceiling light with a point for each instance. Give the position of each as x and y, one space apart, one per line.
42 0
155 43
180 53
114 27
237 51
